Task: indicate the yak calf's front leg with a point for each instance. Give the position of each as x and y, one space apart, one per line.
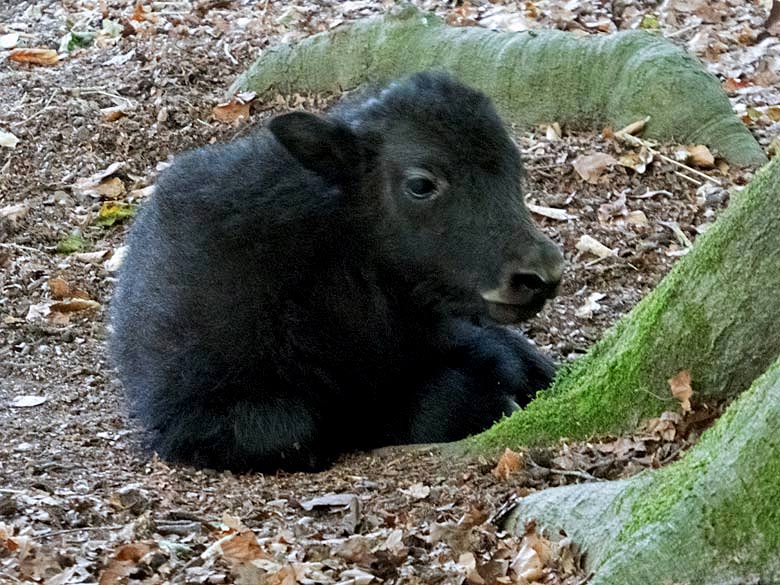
487 373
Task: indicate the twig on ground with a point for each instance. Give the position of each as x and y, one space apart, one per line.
639 142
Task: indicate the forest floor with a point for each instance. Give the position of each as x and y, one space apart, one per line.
83 137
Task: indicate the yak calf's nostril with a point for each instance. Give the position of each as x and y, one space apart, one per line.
529 280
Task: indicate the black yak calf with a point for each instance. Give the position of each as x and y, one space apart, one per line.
335 283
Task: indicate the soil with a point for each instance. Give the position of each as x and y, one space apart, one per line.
80 501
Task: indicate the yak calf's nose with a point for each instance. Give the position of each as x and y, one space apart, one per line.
533 283
539 272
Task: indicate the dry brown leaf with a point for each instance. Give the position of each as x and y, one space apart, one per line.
637 218
123 563
59 288
551 212
468 561
591 245
634 127
701 156
242 548
113 113
509 463
773 21
356 549
681 389
74 306
34 56
533 555
233 111
139 14
101 184
616 208
95 257
591 166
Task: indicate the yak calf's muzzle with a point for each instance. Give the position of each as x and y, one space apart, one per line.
526 284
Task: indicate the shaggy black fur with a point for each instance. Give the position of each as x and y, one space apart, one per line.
315 288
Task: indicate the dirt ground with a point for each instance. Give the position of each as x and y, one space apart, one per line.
83 138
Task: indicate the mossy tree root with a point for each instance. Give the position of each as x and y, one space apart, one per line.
534 77
712 517
715 314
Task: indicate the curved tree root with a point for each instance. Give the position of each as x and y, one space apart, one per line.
712 517
534 77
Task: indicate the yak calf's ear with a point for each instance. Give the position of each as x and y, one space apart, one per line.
328 148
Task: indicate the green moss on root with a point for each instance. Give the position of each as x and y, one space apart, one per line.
714 314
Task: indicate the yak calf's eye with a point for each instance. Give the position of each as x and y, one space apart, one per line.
421 186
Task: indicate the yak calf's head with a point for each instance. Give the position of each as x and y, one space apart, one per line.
433 162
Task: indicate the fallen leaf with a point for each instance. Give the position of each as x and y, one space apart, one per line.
123 564
590 306
590 167
14 213
356 549
34 56
71 243
773 20
59 288
9 41
395 543
553 132
468 561
329 500
527 564
114 263
551 212
681 389
650 22
74 306
233 111
635 127
590 245
509 463
142 13
731 85
637 218
37 312
28 401
637 161
417 491
8 140
701 156
616 208
91 186
113 212
242 548
92 257
113 113
355 577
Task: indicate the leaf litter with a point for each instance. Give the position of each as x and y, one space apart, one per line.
91 507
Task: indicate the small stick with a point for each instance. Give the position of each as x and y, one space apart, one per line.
639 142
82 529
687 178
